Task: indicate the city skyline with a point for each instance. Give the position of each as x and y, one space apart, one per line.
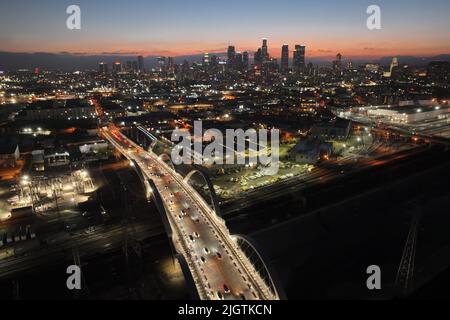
182 29
224 151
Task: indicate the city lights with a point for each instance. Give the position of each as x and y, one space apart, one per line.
232 151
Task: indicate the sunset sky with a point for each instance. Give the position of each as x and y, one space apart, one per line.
182 27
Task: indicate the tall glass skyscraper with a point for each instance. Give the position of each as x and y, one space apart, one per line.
299 58
141 63
265 51
285 58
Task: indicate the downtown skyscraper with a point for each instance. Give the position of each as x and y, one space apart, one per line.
299 58
245 60
285 58
264 51
141 63
231 57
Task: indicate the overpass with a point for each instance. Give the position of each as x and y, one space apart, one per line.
221 266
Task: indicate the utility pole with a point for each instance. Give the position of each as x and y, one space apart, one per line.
405 275
77 262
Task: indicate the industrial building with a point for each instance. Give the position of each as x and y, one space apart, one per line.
409 113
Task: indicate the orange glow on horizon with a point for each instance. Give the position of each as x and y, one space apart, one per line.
325 48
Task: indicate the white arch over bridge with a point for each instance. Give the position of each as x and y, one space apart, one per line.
212 193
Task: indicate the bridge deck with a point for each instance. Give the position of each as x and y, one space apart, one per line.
214 257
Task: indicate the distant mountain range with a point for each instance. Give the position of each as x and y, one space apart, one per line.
73 62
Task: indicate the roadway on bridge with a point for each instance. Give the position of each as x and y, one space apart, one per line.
218 266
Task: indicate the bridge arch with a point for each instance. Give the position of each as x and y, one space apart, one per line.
261 265
167 159
212 193
152 145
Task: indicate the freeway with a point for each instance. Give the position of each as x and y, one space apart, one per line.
220 269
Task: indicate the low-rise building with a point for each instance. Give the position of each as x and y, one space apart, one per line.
311 151
38 161
409 113
58 109
9 154
338 129
57 159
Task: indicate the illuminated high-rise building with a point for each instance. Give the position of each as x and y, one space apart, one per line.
393 68
206 59
129 65
337 64
135 66
185 68
285 58
239 61
171 68
117 67
245 60
310 69
265 51
141 63
161 61
394 64
258 57
231 57
214 64
103 67
299 58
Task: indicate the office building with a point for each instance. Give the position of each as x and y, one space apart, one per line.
231 57
103 68
245 61
265 51
285 59
337 64
141 63
299 58
117 67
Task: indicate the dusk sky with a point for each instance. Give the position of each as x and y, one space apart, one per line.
180 27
